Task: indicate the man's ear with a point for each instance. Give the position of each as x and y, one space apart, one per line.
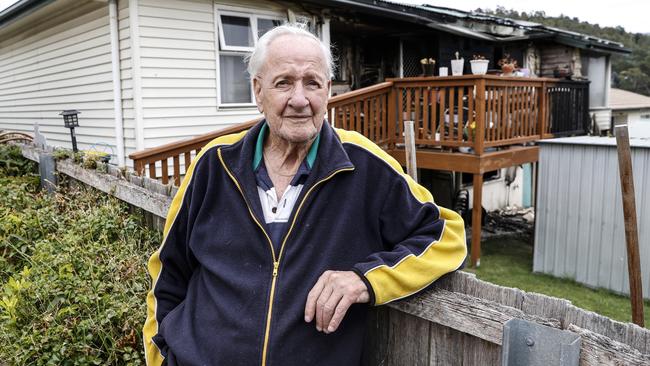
257 90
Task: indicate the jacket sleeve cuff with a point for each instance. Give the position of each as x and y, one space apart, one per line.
371 292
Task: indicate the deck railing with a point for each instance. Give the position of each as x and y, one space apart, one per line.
569 108
468 113
156 161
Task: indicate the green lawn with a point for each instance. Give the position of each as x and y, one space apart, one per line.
509 262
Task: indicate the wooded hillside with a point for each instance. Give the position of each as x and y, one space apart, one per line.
630 72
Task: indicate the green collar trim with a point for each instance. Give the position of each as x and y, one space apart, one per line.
259 149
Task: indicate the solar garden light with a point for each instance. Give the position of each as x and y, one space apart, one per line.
71 121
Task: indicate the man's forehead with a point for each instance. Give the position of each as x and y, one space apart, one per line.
288 52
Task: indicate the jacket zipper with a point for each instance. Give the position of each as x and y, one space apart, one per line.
276 261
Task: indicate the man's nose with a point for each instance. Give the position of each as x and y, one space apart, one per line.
298 99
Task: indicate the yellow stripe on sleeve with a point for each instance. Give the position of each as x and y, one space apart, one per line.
152 353
413 272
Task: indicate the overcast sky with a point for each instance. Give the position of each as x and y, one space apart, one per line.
632 15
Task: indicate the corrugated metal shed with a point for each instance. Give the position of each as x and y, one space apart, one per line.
579 232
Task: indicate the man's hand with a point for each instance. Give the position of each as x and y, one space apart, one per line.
331 297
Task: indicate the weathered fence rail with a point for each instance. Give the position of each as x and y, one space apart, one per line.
458 321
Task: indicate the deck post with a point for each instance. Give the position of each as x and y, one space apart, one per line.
138 166
476 220
479 135
543 113
391 117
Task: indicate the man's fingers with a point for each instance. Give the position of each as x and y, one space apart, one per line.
331 297
328 309
310 305
320 305
341 309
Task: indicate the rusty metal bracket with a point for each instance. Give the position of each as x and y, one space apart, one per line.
532 344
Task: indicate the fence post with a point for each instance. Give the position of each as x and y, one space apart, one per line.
47 171
409 145
629 215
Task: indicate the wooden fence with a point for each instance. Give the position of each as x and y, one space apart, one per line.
458 321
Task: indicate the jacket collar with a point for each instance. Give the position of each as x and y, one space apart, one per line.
331 154
239 157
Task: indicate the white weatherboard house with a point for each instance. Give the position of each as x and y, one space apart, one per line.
141 72
633 109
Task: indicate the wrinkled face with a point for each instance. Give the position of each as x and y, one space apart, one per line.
292 88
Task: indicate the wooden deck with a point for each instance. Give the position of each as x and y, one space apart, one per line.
471 124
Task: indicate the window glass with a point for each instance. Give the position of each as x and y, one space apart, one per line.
237 31
234 79
265 25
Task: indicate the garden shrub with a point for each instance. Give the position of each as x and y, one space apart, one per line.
12 163
73 277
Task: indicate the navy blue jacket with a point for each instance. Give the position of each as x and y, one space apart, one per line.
221 294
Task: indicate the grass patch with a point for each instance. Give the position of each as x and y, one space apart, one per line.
509 262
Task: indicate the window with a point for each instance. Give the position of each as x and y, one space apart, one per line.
238 35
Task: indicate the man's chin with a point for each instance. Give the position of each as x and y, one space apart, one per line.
300 137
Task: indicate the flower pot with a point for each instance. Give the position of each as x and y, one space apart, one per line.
479 67
457 67
427 69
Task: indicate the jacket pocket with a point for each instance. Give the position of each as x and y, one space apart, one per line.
168 319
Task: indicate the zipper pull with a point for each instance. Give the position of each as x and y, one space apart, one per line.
275 268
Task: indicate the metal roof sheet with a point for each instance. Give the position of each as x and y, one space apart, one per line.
641 142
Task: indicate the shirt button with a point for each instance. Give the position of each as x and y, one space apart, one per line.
274 209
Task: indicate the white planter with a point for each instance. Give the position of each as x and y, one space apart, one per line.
479 67
457 67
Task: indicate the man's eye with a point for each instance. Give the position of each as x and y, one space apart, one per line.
313 84
282 84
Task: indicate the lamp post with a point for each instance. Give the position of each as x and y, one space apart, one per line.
71 121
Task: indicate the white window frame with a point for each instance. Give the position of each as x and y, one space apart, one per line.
223 49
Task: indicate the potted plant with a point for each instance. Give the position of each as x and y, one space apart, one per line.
479 65
508 65
457 65
428 65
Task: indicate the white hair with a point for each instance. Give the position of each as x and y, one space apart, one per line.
258 57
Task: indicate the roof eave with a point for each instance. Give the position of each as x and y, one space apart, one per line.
591 45
20 9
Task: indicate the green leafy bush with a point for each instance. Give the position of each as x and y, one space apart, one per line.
13 164
72 277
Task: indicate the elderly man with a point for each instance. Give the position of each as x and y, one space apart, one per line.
280 237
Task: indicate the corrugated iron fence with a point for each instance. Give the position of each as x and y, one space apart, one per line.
579 231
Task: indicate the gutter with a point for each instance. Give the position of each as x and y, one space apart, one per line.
117 83
21 9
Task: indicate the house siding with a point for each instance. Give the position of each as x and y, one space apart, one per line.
579 231
178 68
66 67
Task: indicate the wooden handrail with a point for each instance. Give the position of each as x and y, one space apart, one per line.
205 138
346 97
